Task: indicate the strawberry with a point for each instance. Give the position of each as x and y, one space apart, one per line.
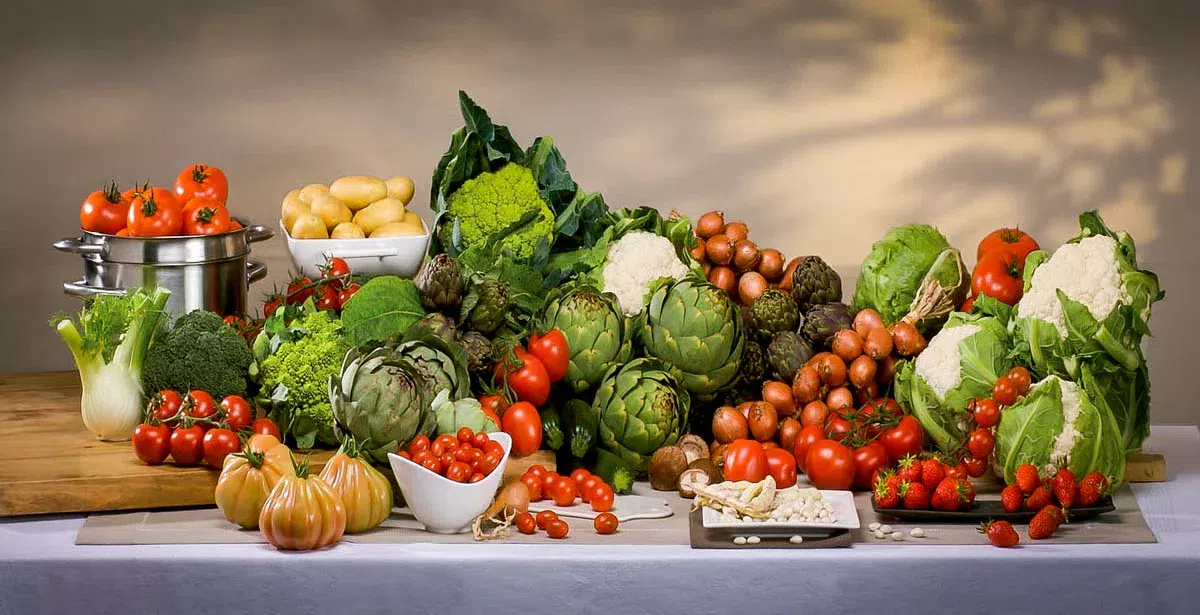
966 492
1093 487
1058 513
1000 533
1039 499
1065 487
1012 498
1027 478
910 469
932 473
886 494
916 496
1043 525
879 476
945 496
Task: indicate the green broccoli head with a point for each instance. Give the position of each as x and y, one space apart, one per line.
199 352
304 367
487 204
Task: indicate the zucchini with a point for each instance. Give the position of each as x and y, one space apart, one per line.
581 422
614 471
552 433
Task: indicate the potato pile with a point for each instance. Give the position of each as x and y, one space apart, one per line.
352 207
732 262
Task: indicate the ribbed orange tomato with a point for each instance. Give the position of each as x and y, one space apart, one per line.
366 493
246 481
303 512
276 453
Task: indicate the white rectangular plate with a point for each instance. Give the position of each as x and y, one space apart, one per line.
845 517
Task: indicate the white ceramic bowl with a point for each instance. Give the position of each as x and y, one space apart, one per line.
442 505
399 256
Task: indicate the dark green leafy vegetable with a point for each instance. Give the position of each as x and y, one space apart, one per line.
381 311
200 352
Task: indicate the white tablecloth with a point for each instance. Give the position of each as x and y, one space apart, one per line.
43 571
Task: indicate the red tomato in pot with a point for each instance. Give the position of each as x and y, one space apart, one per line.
526 377
152 443
829 465
868 459
524 424
998 275
203 216
745 460
781 465
218 444
551 349
104 211
805 440
154 216
1007 239
202 180
906 438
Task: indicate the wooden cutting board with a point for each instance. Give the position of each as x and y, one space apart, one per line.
49 463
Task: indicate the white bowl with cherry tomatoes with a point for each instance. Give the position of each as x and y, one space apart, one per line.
443 500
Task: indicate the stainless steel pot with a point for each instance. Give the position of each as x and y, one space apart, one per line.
210 272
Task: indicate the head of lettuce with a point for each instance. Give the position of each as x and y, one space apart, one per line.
912 274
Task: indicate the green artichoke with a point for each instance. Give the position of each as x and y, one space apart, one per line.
442 364
479 352
754 363
379 399
598 334
772 312
642 408
696 330
823 321
435 324
815 282
485 306
787 353
440 283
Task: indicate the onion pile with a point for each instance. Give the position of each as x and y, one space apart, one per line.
732 262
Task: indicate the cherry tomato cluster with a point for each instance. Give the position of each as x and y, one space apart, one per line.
194 428
581 485
329 292
528 372
555 527
985 415
194 206
466 457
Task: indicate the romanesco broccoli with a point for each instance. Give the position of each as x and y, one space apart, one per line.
303 367
489 203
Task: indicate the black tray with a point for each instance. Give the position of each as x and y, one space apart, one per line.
983 510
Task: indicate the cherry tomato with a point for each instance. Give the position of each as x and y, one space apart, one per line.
463 453
551 349
830 465
418 444
493 403
586 487
152 443
202 180
544 517
405 454
868 459
465 434
154 216
218 444
1004 392
537 470
906 438
458 472
557 529
526 376
999 275
494 448
986 412
238 414
187 446
327 298
580 475
534 485
602 498
981 442
299 289
443 444
480 441
781 465
605 523
524 424
745 460
549 479
347 292
526 524
1020 379
202 216
336 269
273 302
165 406
804 440
976 466
446 459
564 492
432 464
837 427
104 211
266 426
488 463
200 405
1007 239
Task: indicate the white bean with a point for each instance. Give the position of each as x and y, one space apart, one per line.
886 529
753 540
917 533
739 540
797 539
897 536
879 534
873 526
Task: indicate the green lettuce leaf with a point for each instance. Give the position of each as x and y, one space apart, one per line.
382 310
897 265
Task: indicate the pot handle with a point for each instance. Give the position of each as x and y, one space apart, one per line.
81 290
255 271
74 246
257 232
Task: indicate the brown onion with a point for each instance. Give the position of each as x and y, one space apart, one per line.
728 425
719 249
707 266
771 264
789 428
887 370
865 320
785 283
806 386
847 345
514 496
746 255
710 224
779 394
862 371
814 413
867 393
699 253
878 343
832 370
736 231
907 339
764 421
723 278
839 398
750 286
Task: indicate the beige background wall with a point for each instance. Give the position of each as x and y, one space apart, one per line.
820 123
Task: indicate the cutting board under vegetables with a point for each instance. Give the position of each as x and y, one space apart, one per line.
50 464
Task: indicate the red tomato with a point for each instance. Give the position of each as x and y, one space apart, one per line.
405 454
526 376
998 275
465 434
495 403
104 211
829 465
418 444
579 476
557 529
458 472
534 485
200 405
868 459
218 444
327 298
836 427
446 459
187 445
347 292
586 487
480 441
152 443
745 460
158 192
805 440
551 349
1004 392
432 464
526 524
605 523
165 406
564 491
544 517
976 466
537 470
266 426
1007 239
986 412
203 216
601 497
1020 379
336 269
476 477
154 216
273 302
238 414
957 471
463 453
202 181
967 305
443 444
781 465
299 289
549 480
493 448
524 424
488 463
980 443
906 438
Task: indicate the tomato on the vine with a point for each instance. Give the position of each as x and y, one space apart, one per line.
781 465
906 438
152 443
273 302
154 216
104 211
1007 239
999 276
267 427
981 442
1004 392
745 460
218 444
336 269
327 298
976 466
958 470
1020 379
204 216
347 292
165 406
202 180
200 405
830 465
238 414
187 446
804 440
299 289
868 459
493 406
526 376
551 349
524 424
986 412
837 427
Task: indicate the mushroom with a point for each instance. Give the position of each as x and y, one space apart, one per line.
700 472
665 466
693 447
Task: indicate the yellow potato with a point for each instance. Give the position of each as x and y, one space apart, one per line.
309 226
358 191
378 214
401 188
328 208
347 230
294 193
411 217
308 192
293 208
398 229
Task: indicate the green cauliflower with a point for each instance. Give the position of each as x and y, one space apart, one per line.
200 352
490 203
302 368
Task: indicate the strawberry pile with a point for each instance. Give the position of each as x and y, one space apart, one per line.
1030 492
923 484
